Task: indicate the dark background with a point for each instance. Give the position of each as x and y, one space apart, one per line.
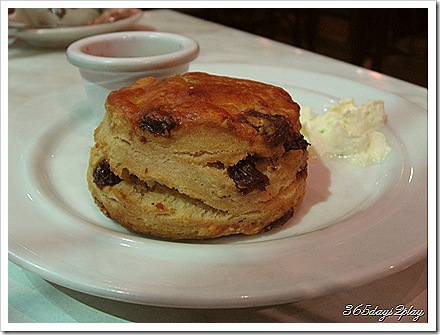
389 40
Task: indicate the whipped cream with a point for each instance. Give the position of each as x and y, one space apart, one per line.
348 132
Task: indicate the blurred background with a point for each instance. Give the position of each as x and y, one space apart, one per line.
388 40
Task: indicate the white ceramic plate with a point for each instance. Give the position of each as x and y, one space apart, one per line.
355 224
62 37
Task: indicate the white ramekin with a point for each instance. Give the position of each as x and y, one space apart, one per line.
111 61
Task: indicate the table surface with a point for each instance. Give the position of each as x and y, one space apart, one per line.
33 300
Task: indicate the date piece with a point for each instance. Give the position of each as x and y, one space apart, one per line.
276 129
247 177
103 176
158 124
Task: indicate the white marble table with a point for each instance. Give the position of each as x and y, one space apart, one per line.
34 300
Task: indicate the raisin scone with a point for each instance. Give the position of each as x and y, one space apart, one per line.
198 156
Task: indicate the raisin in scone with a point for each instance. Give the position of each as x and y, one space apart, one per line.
198 156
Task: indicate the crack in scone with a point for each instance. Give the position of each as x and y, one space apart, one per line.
107 178
155 200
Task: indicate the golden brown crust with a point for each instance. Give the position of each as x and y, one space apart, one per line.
174 106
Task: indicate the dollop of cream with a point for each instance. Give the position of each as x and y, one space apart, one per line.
348 132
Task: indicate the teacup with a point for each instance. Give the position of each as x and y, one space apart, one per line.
53 17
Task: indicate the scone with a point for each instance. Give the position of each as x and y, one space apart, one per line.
198 156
